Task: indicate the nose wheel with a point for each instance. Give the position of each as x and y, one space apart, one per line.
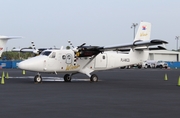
67 78
38 79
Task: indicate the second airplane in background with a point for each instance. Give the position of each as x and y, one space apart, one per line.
3 41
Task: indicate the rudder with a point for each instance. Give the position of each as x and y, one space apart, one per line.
144 31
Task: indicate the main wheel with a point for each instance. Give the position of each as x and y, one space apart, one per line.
94 78
139 66
38 79
67 78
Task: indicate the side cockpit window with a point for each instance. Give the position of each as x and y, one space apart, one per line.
53 55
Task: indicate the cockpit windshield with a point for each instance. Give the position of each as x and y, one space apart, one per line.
47 53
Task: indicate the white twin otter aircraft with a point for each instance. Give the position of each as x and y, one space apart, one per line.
86 59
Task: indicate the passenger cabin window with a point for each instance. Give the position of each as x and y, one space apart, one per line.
46 53
68 57
103 57
63 57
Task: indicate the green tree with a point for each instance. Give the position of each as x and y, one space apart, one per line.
9 55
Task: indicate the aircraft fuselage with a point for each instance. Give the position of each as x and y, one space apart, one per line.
66 61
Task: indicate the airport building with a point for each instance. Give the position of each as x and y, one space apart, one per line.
164 55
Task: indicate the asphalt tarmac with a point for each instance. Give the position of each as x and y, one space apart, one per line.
120 93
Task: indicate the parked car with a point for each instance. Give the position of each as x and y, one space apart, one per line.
149 64
161 64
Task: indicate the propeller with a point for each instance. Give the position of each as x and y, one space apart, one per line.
35 51
85 51
81 45
33 45
70 43
76 49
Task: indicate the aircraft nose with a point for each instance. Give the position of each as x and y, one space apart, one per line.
21 65
26 65
32 64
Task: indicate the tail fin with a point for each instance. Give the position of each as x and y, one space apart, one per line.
144 31
3 41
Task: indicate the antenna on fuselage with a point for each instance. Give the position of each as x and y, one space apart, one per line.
36 51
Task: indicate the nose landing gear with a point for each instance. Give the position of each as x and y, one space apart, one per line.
38 78
67 78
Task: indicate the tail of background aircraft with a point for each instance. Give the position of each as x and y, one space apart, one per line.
144 31
3 41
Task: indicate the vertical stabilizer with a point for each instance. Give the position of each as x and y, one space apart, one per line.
144 31
3 41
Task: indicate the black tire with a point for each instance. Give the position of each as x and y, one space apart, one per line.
38 79
67 78
94 78
139 66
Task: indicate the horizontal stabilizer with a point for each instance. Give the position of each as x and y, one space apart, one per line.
10 37
158 48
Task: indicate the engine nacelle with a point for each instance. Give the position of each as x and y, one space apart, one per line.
87 51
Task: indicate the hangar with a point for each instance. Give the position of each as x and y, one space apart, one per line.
164 55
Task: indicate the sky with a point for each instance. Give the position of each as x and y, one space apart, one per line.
51 23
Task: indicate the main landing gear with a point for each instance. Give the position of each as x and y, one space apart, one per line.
93 78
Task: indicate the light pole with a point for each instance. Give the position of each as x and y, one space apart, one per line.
177 38
134 26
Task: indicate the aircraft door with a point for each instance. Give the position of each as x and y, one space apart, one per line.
69 58
51 62
101 61
66 60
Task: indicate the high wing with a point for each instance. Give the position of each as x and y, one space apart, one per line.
35 51
23 50
85 51
31 49
136 45
150 48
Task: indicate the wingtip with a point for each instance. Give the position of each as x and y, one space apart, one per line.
158 41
